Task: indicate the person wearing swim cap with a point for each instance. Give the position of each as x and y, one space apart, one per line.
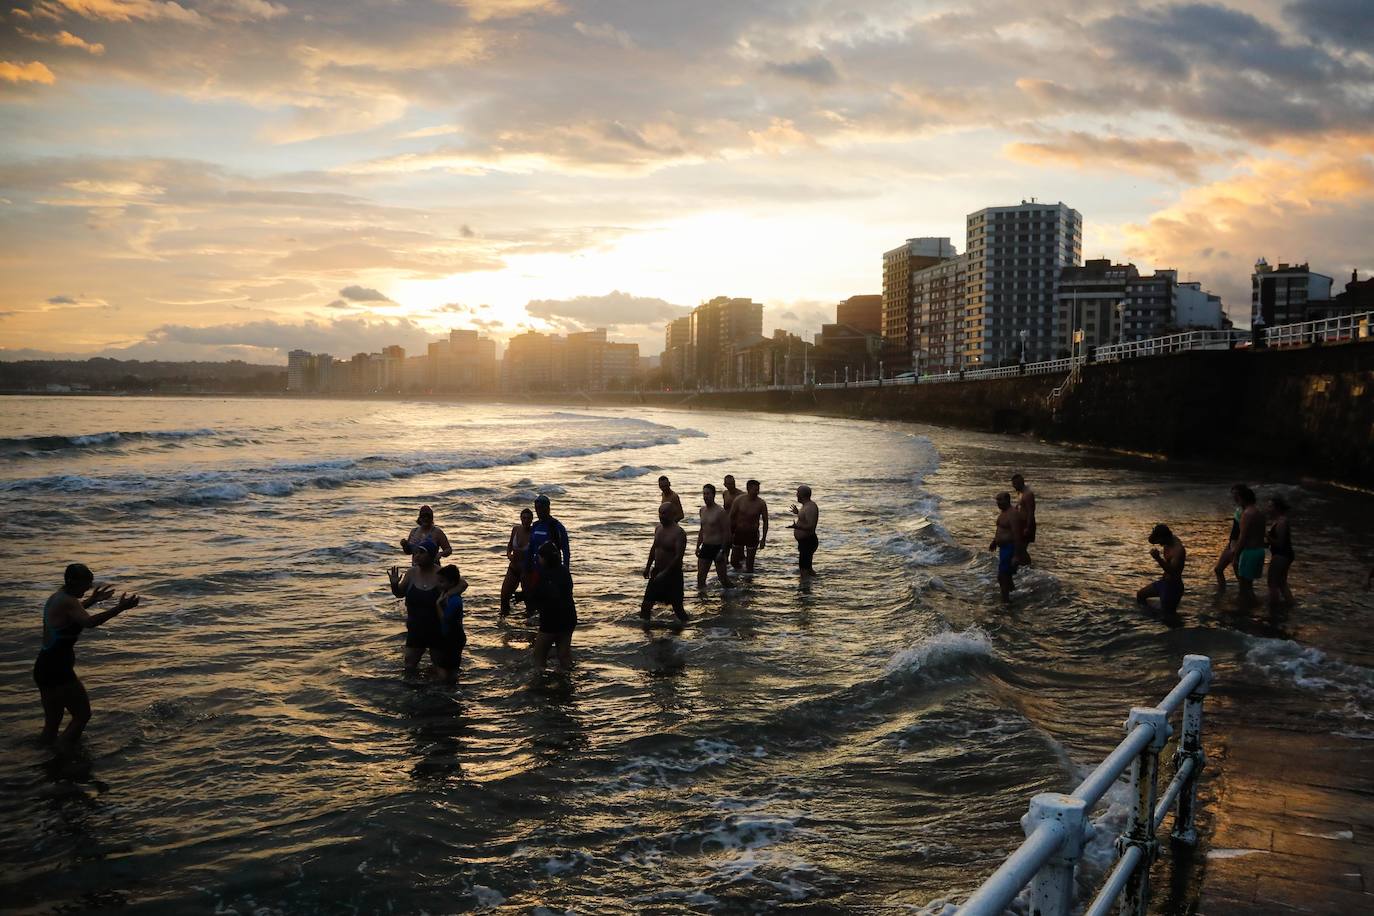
545 530
425 531
420 587
64 617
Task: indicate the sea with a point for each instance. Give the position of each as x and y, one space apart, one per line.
864 741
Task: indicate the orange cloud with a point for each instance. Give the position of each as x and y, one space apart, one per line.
66 39
1315 204
124 10
32 72
1077 149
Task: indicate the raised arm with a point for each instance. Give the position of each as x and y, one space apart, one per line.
398 582
76 611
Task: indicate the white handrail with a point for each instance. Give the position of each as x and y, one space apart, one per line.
1056 825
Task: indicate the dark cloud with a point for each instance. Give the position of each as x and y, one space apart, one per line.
362 294
615 309
815 69
61 300
340 336
341 304
1349 23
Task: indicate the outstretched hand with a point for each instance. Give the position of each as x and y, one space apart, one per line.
101 593
126 601
394 574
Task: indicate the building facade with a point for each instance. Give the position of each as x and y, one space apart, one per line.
1279 295
937 299
1015 256
900 267
677 341
717 327
864 313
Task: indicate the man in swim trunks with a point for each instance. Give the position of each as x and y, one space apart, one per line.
664 566
1249 545
666 489
1007 543
727 499
713 539
64 617
426 530
747 512
1170 555
546 529
515 555
1025 507
804 529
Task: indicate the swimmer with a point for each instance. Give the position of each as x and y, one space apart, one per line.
747 512
1170 555
727 499
1280 541
1025 507
426 531
1007 543
448 655
558 615
713 539
804 529
420 587
666 489
64 617
664 566
1249 552
515 556
546 529
1228 553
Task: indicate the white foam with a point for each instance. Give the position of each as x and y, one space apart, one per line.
1233 853
626 471
941 648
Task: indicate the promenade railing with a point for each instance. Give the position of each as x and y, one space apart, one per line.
1057 825
1359 327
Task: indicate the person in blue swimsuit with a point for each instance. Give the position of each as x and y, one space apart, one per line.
1228 553
1007 542
64 617
558 612
545 530
420 587
448 655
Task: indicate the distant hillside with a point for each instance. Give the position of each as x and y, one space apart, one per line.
100 374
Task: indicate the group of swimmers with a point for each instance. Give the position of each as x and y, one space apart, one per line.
538 569
730 535
1244 553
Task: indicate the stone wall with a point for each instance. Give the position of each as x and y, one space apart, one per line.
1300 412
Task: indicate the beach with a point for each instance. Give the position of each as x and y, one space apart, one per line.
857 742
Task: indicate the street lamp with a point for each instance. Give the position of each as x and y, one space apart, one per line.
1025 336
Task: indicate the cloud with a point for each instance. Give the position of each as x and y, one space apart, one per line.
613 310
362 294
32 72
1343 22
1317 205
61 300
1079 150
65 39
126 10
815 69
339 336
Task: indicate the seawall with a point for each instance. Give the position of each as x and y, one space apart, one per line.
1305 412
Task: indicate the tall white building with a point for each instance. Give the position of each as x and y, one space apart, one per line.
1014 258
297 369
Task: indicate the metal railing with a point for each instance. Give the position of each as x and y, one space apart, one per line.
1307 333
1323 330
1057 827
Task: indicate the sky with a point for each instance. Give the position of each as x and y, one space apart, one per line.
232 179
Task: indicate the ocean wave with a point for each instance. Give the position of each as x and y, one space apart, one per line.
629 470
39 444
283 479
1311 669
942 650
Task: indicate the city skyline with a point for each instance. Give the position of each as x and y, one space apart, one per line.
216 179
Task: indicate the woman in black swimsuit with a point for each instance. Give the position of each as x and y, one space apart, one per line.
64 617
1280 539
420 587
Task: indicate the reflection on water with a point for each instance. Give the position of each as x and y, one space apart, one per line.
863 740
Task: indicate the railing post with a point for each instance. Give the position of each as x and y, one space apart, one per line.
1051 892
1190 747
1140 826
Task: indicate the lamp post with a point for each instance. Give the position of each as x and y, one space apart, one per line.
1025 336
